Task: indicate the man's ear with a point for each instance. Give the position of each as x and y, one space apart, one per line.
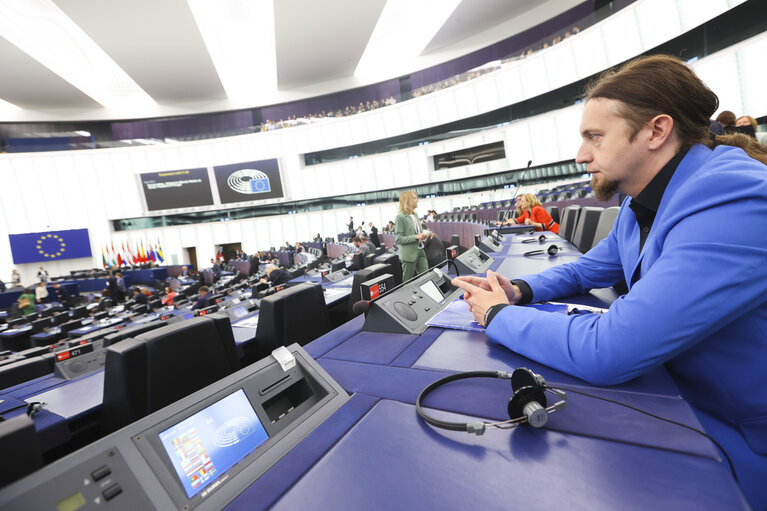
661 128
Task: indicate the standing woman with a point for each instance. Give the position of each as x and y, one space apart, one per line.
532 213
409 236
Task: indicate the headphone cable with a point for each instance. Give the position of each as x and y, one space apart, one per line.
729 461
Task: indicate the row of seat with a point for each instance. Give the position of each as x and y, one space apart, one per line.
585 227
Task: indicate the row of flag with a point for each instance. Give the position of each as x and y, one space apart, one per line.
125 255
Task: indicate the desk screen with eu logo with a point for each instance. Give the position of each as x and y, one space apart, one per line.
204 446
176 189
248 181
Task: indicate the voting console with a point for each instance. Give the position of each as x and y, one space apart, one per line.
198 453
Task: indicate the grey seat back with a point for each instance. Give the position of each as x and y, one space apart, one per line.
569 222
606 221
587 226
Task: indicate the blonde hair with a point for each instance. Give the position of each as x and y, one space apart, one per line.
407 201
750 120
270 269
531 199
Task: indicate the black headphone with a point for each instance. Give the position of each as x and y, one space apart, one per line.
551 250
539 239
526 406
33 409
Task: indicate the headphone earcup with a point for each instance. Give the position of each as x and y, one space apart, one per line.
523 377
524 396
552 250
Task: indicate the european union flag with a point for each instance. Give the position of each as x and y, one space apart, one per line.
36 247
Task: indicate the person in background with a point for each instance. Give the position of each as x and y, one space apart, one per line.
531 212
15 278
202 299
139 297
746 125
61 295
317 238
389 227
373 234
26 302
369 243
409 236
41 292
215 268
727 120
116 292
350 227
121 282
42 274
2 286
299 248
360 246
167 300
276 276
184 271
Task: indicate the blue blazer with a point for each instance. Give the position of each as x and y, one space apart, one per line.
699 307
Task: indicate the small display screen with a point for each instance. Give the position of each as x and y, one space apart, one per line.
71 503
430 288
482 256
240 311
210 442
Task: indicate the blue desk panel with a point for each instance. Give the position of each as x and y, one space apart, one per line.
390 460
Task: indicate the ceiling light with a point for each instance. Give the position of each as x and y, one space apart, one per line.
44 32
403 30
5 106
239 35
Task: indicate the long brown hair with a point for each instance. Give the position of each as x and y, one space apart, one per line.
661 84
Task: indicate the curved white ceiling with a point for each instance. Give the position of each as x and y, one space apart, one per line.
111 59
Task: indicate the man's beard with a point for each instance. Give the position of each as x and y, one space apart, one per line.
603 189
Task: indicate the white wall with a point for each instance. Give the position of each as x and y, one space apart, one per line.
88 189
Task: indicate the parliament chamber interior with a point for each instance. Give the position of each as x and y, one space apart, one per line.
279 254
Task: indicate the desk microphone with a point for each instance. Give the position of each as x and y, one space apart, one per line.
539 239
552 250
524 174
361 307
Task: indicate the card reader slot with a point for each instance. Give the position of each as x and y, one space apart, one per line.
271 387
283 403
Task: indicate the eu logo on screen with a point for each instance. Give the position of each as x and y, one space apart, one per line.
260 185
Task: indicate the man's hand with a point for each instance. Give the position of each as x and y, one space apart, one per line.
421 236
482 293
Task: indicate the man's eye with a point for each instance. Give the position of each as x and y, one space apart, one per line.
593 136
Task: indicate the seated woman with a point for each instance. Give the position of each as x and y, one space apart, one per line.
530 212
169 296
276 276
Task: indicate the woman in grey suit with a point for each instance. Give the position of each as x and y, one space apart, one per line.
409 236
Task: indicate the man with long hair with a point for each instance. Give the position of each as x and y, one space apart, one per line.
691 243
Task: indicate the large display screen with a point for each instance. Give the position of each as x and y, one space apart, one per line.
207 444
177 189
248 181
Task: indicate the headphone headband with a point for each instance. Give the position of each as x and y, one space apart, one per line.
527 405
